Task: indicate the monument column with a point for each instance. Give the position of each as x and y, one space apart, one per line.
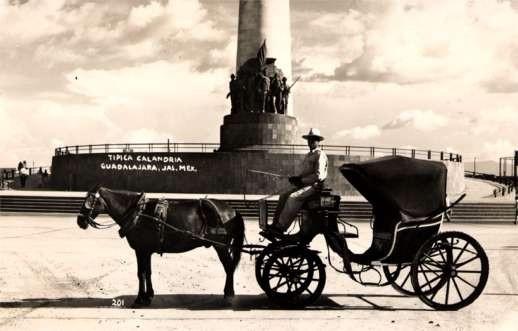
250 122
269 20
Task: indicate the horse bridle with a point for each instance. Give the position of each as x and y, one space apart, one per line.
89 217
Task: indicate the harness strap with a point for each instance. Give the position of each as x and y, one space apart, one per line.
185 232
161 210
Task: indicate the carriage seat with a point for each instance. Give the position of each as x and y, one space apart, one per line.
323 199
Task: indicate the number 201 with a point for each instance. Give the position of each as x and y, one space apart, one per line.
118 302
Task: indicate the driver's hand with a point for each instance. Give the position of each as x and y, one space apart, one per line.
295 180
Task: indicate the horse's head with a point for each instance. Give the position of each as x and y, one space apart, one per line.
92 206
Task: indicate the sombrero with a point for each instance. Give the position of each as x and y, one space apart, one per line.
313 133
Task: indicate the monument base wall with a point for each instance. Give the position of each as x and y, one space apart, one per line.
249 129
219 172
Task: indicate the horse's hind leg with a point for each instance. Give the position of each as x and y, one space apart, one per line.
229 265
145 287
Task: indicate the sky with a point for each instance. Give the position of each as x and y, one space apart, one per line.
440 75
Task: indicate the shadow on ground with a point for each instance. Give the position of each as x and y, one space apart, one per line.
204 302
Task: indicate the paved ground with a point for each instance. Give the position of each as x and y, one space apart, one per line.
55 276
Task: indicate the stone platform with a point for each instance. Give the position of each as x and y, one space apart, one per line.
204 173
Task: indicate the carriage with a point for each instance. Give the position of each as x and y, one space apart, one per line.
446 270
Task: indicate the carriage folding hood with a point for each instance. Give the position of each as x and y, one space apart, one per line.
400 188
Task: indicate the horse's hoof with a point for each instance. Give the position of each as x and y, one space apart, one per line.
228 300
141 302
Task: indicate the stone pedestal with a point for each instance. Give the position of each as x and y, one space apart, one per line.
249 129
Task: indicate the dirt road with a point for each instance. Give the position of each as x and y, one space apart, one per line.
54 275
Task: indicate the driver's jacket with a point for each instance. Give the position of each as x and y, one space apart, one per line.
314 167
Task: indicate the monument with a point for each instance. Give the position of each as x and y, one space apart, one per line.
261 110
258 136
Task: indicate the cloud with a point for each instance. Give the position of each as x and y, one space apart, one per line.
491 121
411 42
423 120
141 16
334 38
30 129
494 149
360 132
106 34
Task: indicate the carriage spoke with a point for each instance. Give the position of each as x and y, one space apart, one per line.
298 265
431 261
435 292
279 281
457 289
447 291
430 282
435 271
273 275
279 285
467 261
470 271
461 252
426 277
436 253
290 284
442 256
465 281
405 280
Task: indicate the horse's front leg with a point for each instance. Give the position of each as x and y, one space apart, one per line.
145 288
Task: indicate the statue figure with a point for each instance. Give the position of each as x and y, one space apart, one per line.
258 85
233 93
262 88
285 95
275 94
250 90
242 92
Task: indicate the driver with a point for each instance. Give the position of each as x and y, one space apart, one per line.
308 182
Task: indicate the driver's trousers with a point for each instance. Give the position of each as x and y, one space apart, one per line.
290 203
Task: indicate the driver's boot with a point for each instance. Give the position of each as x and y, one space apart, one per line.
275 229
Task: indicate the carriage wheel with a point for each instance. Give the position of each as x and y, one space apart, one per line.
399 278
294 277
450 271
260 262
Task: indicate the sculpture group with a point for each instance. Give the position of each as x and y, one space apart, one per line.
259 87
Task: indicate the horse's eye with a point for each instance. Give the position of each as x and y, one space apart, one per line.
88 203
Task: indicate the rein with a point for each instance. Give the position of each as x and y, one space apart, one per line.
138 211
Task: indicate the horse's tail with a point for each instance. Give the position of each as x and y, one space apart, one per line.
238 234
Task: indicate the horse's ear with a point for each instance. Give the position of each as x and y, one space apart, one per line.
95 188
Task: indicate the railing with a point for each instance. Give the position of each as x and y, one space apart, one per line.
284 148
138 148
369 151
506 182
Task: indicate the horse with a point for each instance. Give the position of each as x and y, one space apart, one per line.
183 228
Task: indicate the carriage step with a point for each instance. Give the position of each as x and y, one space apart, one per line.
349 234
